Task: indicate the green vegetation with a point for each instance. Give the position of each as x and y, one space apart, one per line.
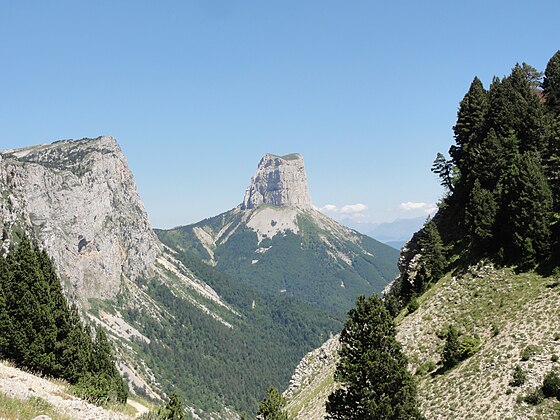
372 370
272 407
13 408
502 179
551 384
301 264
40 332
210 364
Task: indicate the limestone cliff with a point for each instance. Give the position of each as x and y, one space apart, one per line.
279 181
80 199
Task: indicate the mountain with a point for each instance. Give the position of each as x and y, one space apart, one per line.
275 242
179 324
394 233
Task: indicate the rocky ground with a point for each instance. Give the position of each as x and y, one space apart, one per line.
22 385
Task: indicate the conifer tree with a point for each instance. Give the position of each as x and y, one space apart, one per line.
470 126
480 216
372 369
527 211
551 84
76 349
5 322
451 352
433 259
30 311
272 407
173 410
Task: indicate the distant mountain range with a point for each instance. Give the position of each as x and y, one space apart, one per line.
394 234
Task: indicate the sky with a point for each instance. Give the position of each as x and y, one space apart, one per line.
196 91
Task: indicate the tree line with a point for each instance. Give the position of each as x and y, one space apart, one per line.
41 332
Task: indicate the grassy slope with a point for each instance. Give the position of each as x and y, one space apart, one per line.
508 312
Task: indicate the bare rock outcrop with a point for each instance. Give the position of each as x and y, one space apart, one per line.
279 181
79 200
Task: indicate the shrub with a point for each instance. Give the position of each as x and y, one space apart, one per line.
426 367
519 376
529 351
469 346
413 305
551 384
554 358
534 397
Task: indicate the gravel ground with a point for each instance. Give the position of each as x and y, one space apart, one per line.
22 385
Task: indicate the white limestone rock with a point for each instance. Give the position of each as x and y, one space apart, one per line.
279 181
79 200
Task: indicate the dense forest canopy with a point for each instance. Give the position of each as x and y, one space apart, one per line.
501 181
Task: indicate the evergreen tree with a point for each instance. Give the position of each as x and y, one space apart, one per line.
527 211
5 322
58 306
444 169
173 410
272 407
480 216
451 352
76 349
470 126
372 369
29 306
515 108
432 264
551 84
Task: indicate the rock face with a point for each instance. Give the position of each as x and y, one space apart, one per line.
81 199
279 181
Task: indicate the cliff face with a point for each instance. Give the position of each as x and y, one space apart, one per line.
279 181
81 200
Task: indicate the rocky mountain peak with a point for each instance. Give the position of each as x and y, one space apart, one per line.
279 181
80 199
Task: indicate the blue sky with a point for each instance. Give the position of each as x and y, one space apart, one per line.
197 91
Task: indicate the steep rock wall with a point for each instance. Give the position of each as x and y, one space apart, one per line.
81 200
279 181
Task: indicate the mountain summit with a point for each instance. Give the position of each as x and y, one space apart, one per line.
279 181
277 243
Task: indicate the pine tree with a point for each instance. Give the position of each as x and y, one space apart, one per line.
551 84
58 306
480 216
470 126
272 407
29 306
5 322
372 369
173 410
433 260
451 352
104 366
76 349
527 211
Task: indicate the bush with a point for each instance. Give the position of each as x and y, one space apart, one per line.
551 384
534 397
469 346
413 305
554 358
101 389
426 367
519 376
529 352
